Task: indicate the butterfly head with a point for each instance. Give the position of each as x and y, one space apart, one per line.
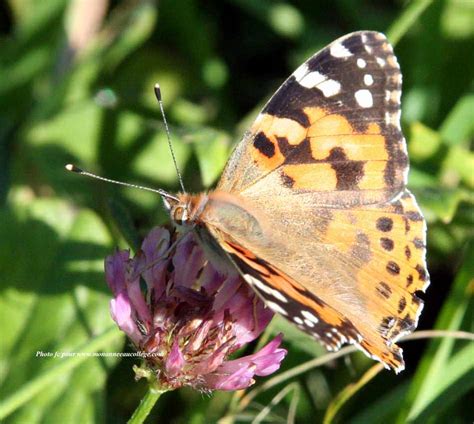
185 211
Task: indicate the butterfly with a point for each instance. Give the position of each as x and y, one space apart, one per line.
312 207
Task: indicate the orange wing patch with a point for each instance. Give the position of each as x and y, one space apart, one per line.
266 151
320 177
327 155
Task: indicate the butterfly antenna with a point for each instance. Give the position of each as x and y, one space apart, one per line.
160 102
77 170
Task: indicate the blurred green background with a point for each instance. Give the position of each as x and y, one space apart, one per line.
76 85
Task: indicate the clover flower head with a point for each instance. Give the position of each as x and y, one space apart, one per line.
187 317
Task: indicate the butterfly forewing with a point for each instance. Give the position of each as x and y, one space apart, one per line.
332 128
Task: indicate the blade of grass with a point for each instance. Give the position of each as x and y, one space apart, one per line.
293 387
458 380
344 395
406 20
432 370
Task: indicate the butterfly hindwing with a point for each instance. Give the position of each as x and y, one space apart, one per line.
358 270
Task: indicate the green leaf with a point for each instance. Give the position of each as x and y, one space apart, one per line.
33 18
420 179
458 165
440 203
424 142
124 223
72 133
54 299
458 127
189 113
458 379
286 20
457 20
212 150
215 72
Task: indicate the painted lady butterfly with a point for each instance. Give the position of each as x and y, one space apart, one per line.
312 207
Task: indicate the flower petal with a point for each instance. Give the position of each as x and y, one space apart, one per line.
266 361
156 243
153 262
211 280
121 311
213 361
116 270
251 320
240 379
248 312
226 292
175 360
136 298
188 261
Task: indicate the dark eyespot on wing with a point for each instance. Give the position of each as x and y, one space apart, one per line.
264 145
387 244
393 268
384 224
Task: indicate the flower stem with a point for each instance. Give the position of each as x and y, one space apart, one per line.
146 405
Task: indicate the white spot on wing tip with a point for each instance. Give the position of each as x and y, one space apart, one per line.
338 50
327 86
361 63
301 71
368 80
330 88
364 98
